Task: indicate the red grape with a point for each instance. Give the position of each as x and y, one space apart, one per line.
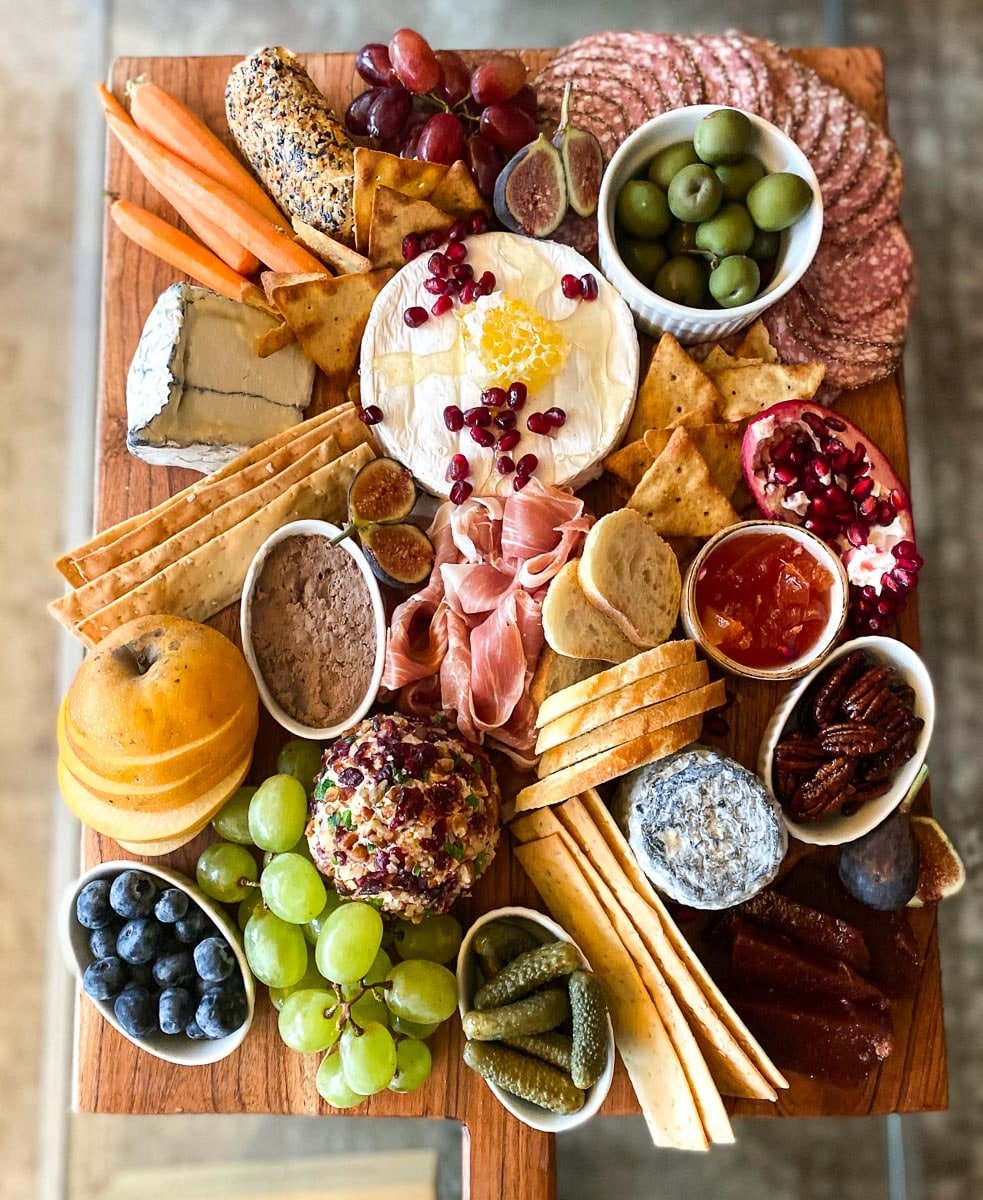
388 112
411 134
498 79
357 116
484 161
442 139
525 98
507 127
372 63
457 77
414 62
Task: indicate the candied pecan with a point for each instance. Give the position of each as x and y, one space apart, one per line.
832 689
853 739
798 752
823 791
863 693
870 791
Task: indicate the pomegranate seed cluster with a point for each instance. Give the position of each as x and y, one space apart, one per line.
450 274
584 288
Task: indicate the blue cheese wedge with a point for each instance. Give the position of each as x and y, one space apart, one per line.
703 828
197 393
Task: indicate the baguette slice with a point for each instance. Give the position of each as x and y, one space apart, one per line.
575 628
631 575
556 672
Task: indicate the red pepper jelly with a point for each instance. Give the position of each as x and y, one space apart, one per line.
763 599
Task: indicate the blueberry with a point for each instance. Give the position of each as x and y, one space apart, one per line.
220 1012
171 906
133 894
192 927
138 940
214 959
136 1011
141 975
104 979
174 970
102 942
195 1032
92 906
175 1009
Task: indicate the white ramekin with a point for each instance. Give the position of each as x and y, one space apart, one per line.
653 313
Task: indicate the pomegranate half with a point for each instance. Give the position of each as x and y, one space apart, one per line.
810 466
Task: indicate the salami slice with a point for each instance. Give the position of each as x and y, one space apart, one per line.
719 83
649 70
861 222
856 146
677 52
637 89
868 182
857 281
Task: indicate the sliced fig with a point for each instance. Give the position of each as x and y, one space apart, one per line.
381 493
941 872
583 162
880 869
400 555
810 466
531 192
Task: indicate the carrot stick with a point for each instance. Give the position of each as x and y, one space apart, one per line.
214 236
182 252
185 134
260 236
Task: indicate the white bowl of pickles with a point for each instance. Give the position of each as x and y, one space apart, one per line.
707 216
571 1045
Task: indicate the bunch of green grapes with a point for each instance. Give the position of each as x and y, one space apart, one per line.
337 990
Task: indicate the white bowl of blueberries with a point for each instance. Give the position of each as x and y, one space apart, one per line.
162 963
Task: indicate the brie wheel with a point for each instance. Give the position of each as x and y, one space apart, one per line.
583 356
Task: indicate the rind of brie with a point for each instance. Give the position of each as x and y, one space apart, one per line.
414 374
197 393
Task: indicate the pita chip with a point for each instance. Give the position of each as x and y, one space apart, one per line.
675 391
720 447
374 169
274 339
393 217
677 494
342 259
749 390
457 193
757 344
631 462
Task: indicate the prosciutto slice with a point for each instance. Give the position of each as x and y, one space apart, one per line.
469 642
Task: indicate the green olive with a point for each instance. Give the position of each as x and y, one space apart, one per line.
723 136
681 237
695 193
670 161
643 259
642 209
681 279
778 201
735 281
738 178
763 246
729 231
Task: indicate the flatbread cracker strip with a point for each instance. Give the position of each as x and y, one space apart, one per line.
650 1060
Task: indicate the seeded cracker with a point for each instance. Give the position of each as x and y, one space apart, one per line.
675 391
677 495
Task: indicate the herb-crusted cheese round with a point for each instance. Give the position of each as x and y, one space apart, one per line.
703 828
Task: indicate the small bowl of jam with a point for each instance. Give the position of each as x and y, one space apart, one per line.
765 600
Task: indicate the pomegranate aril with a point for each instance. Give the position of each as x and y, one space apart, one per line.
506 420
443 304
833 447
484 437
819 466
906 578
538 422
904 549
861 488
463 272
493 397
478 223
487 282
857 534
509 439
785 475
431 240
415 316
885 513
460 468
459 230
527 464
469 291
570 287
782 450
519 482
457 252
411 246
453 418
868 508
841 462
588 287
898 500
834 424
435 286
517 395
461 491
815 423
556 417
505 465
371 415
477 416
910 564
438 264
890 584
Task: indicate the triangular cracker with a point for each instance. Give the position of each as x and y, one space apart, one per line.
677 494
757 344
675 391
747 391
340 258
630 462
457 193
393 217
374 168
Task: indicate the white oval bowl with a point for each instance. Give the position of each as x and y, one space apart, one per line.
324 529
839 598
835 830
545 929
654 314
174 1048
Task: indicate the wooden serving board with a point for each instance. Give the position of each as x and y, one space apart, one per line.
503 1160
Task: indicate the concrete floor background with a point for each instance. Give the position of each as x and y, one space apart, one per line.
50 141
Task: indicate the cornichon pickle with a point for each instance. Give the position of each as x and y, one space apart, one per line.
528 972
533 1014
590 1033
525 1077
503 941
554 1048
490 966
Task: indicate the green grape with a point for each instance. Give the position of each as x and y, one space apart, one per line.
278 813
302 760
413 1061
232 819
437 939
382 964
293 889
368 1059
370 1009
276 951
302 848
348 942
225 871
304 1023
331 1086
252 903
422 991
413 1029
312 978
314 927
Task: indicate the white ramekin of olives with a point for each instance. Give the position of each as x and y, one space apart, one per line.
707 216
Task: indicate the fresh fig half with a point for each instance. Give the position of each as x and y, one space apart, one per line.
880 869
810 466
531 192
941 872
401 556
583 162
381 493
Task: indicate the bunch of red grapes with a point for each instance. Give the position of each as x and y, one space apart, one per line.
426 103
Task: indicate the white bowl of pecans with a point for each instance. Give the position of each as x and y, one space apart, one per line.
844 746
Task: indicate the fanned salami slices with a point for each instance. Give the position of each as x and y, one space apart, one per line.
852 307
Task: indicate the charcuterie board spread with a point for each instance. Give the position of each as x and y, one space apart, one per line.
503 513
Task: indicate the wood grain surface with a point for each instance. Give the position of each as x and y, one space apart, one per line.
503 1160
